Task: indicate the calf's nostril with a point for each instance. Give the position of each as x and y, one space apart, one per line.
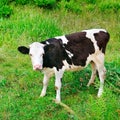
37 67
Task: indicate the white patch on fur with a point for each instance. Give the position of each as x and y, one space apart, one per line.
71 67
63 38
47 43
69 53
90 35
94 30
97 57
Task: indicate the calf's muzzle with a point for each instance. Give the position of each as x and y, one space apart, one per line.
37 67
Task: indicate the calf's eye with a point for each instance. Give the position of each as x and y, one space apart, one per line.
30 55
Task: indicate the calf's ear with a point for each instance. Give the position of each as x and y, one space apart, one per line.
23 50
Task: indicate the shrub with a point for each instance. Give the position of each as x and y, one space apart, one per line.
109 6
5 10
22 2
71 5
113 76
46 3
90 7
3 2
91 1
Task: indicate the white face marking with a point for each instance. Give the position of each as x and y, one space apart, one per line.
63 38
36 54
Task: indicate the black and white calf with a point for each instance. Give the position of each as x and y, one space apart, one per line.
70 52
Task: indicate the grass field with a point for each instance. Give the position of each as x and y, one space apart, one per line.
20 86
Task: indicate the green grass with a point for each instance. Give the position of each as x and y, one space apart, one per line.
20 86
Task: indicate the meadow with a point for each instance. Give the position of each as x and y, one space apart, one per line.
20 86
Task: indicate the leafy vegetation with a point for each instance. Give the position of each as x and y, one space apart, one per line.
20 86
76 6
22 2
109 6
45 3
5 9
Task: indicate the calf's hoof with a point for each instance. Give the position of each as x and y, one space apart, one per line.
56 101
42 94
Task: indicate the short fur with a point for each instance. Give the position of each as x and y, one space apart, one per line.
73 51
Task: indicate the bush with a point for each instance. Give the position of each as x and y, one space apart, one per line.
71 5
90 7
3 2
46 3
22 2
5 10
109 6
91 1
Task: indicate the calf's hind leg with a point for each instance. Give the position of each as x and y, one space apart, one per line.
99 62
102 73
93 75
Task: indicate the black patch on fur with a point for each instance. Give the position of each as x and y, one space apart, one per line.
80 46
102 39
54 54
43 42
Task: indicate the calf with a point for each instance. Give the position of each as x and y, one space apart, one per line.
70 52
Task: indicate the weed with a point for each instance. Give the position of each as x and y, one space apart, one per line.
5 9
45 3
109 6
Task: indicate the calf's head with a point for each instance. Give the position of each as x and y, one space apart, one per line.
36 52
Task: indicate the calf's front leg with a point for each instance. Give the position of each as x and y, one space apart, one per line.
45 84
58 78
47 74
